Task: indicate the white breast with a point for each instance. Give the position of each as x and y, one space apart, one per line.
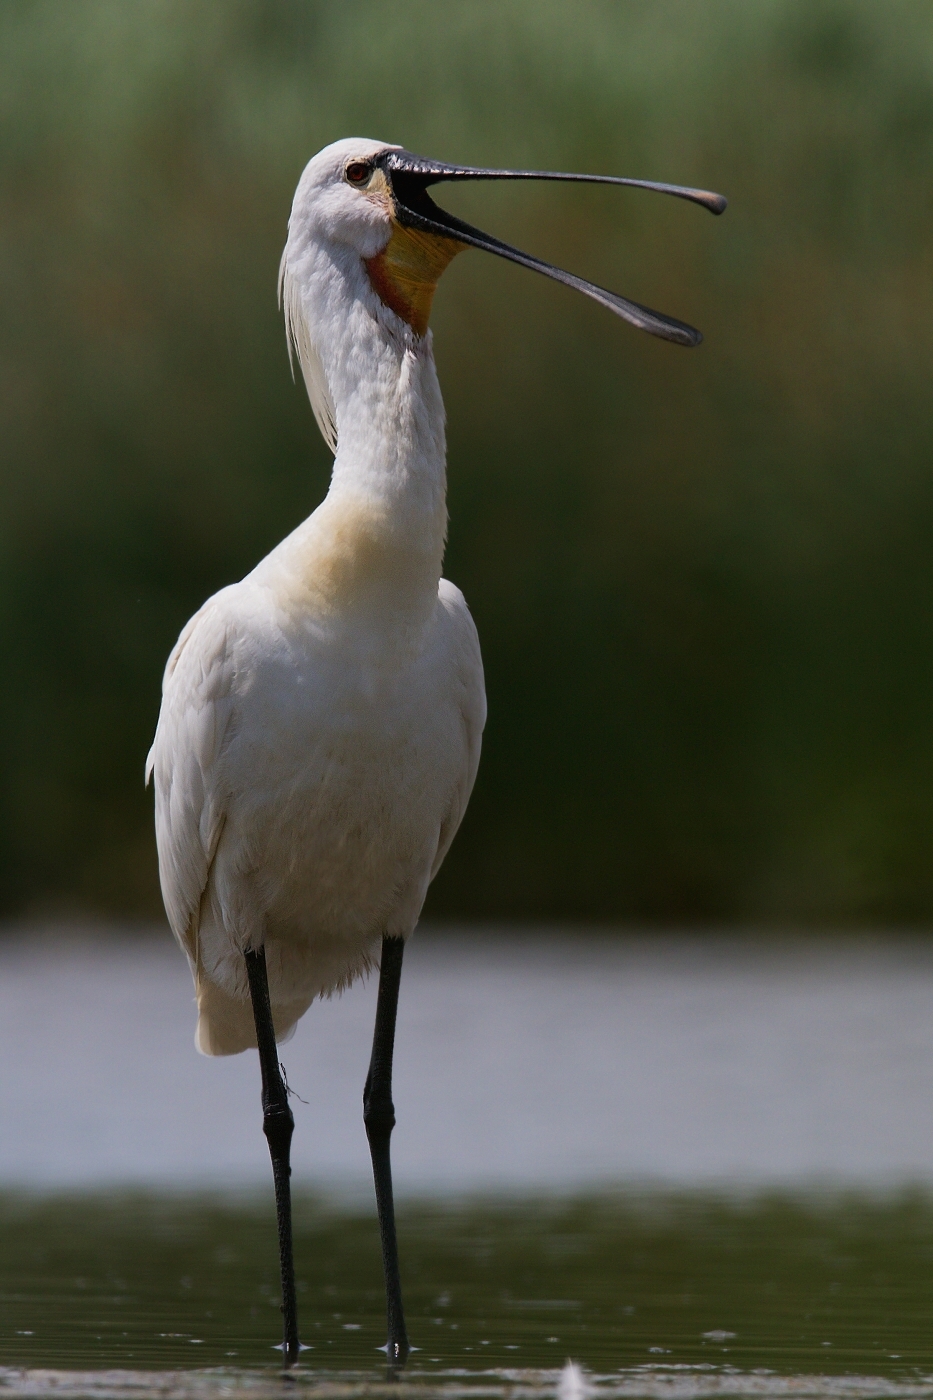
308 783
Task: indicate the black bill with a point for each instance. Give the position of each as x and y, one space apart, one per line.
409 177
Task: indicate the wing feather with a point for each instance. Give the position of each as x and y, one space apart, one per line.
468 668
197 706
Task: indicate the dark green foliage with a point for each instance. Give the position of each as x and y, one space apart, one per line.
703 580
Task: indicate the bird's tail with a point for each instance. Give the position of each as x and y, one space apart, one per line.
226 1025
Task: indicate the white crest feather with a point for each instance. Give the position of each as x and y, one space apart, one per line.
299 342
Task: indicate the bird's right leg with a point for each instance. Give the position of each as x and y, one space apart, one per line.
379 1118
277 1124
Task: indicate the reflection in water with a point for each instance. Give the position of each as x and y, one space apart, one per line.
667 1294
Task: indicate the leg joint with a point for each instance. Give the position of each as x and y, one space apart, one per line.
278 1126
378 1117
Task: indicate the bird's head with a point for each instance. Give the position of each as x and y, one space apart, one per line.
374 198
370 201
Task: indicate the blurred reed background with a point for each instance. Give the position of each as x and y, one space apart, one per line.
703 581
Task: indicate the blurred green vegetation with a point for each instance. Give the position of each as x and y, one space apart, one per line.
703 581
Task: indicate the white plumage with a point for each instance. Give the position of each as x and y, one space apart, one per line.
321 720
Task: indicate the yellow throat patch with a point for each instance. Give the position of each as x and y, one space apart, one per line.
405 274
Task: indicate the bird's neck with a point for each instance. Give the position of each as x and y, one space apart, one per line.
391 446
377 540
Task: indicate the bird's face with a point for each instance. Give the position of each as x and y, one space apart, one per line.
373 200
346 195
336 202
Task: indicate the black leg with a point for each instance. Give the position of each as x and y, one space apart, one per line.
379 1117
277 1124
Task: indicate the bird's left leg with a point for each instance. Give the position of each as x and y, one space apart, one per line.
379 1118
277 1124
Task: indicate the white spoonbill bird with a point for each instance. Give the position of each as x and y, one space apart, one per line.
321 719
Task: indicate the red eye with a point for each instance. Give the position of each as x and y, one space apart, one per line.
358 172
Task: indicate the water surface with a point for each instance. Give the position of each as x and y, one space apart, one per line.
659 1293
531 1061
694 1166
